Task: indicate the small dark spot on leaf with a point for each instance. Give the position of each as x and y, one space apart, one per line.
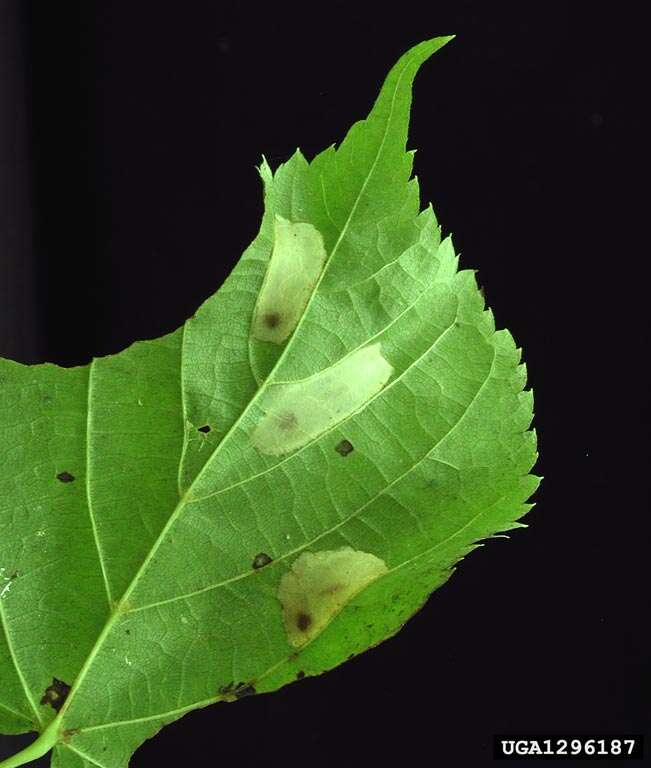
303 621
47 398
65 477
351 656
344 448
226 689
457 324
56 694
14 575
127 631
260 560
293 655
300 674
272 319
205 429
244 689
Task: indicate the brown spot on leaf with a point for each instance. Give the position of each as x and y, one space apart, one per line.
260 560
56 694
232 691
244 689
303 621
344 448
65 477
300 674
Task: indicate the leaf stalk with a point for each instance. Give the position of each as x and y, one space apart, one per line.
41 746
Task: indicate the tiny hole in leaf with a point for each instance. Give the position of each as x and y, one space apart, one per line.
260 560
205 429
344 448
56 694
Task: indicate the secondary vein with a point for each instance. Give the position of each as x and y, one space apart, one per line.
89 502
14 659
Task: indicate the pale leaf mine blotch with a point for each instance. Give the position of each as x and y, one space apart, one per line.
318 586
297 412
296 262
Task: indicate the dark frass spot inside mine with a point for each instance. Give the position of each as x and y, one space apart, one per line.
205 429
344 448
272 319
300 674
303 621
260 560
65 477
287 421
56 694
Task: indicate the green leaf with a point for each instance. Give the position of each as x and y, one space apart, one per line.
277 485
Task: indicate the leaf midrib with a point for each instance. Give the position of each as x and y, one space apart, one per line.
108 626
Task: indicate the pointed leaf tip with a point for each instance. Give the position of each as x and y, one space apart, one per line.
393 105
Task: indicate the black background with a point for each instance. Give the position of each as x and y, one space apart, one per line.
129 133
